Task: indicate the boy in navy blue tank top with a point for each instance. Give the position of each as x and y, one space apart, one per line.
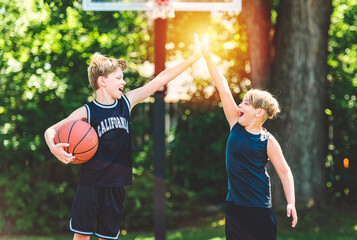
98 204
249 147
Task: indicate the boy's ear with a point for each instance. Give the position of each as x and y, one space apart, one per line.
101 81
260 112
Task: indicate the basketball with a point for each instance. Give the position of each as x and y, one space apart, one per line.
82 139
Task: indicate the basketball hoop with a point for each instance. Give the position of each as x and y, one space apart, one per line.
163 9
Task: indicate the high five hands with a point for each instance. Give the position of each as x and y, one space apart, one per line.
202 50
206 51
197 49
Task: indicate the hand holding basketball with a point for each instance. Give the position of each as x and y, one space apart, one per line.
76 142
61 154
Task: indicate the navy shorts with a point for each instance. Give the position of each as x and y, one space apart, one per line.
98 211
249 223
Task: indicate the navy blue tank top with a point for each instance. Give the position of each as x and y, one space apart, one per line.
111 166
246 159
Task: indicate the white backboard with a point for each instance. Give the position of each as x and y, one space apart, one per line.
147 5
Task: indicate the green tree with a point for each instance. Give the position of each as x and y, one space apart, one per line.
342 104
45 48
299 77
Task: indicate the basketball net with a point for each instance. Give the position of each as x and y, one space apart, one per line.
162 9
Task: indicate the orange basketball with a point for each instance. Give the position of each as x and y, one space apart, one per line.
82 139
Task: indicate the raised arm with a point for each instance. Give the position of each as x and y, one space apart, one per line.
140 94
230 107
276 157
58 149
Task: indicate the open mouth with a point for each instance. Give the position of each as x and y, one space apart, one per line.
241 114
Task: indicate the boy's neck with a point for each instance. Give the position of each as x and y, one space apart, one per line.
254 127
104 99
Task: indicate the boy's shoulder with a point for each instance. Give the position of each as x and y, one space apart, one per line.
265 135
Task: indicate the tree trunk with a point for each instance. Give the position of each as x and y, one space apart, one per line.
298 79
259 44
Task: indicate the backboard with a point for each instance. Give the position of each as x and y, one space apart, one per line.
147 5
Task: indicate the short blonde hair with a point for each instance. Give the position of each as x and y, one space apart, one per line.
264 100
103 66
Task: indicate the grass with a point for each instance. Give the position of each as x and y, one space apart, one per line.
328 223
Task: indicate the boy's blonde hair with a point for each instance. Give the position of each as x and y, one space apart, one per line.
103 66
264 100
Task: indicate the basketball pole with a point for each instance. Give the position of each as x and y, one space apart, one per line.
159 132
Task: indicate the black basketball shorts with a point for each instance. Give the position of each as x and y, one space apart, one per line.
98 211
249 223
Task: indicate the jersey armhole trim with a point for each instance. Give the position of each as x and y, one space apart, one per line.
88 113
127 102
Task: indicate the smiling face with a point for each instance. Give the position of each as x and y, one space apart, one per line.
113 84
101 67
247 112
256 107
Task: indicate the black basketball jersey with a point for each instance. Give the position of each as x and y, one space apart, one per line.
111 166
246 159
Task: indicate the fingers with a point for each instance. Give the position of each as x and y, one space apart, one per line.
62 145
197 43
62 154
205 43
291 211
205 47
295 219
288 212
68 158
294 223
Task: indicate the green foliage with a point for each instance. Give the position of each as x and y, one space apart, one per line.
197 151
181 205
45 48
37 201
138 205
342 104
142 143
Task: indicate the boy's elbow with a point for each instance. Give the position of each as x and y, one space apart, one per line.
48 132
285 171
45 133
45 136
288 170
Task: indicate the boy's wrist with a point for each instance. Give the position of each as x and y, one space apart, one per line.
194 57
209 59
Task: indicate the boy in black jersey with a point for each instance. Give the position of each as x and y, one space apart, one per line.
250 146
98 203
